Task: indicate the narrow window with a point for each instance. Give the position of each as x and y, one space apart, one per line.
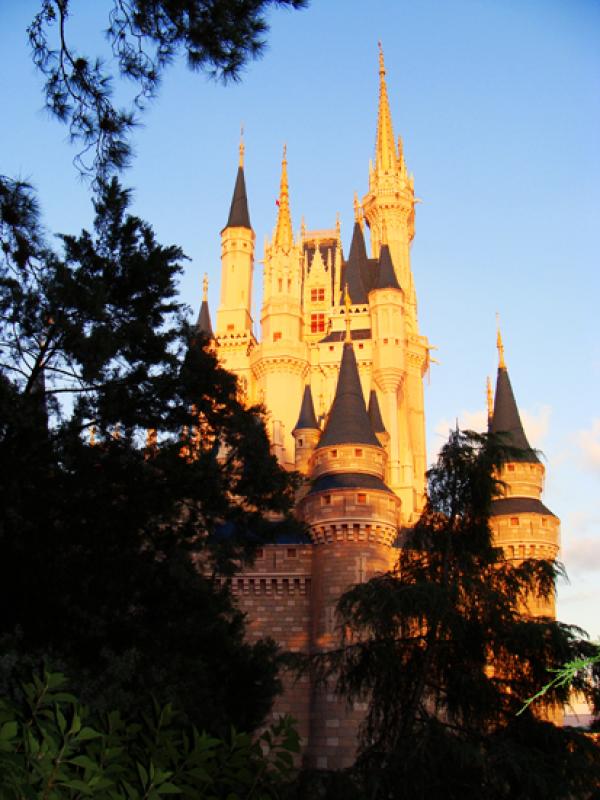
327 500
291 552
334 453
511 467
277 336
260 553
361 498
230 327
514 520
358 452
299 442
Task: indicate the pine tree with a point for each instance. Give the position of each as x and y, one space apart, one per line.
217 37
445 653
112 546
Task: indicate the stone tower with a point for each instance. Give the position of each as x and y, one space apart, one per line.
353 520
234 334
521 523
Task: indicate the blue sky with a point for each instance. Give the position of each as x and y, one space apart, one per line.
498 102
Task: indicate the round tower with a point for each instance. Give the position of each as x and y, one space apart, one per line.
353 520
306 432
522 525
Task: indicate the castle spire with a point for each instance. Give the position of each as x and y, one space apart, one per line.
203 323
355 266
242 148
283 232
385 149
348 421
307 419
505 417
500 345
490 400
238 211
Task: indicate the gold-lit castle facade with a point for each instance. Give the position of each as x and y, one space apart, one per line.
339 368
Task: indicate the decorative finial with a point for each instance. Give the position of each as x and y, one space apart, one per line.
500 345
284 152
338 225
205 288
242 147
381 62
490 400
347 303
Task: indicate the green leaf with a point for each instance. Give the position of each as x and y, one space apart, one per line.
87 733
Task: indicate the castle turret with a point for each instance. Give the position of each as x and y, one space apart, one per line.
376 420
234 336
280 363
353 519
390 200
237 263
521 523
306 432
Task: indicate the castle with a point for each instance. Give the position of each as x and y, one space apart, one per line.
339 367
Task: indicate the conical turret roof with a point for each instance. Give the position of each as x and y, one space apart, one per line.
307 418
375 413
356 264
506 418
348 421
203 323
238 212
386 277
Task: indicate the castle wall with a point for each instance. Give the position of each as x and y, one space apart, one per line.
275 593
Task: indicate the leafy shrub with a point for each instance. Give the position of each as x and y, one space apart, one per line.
54 748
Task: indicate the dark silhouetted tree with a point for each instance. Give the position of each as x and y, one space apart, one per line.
445 653
215 36
102 529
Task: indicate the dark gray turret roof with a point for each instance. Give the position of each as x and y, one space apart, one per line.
375 413
203 323
238 212
519 505
354 268
307 418
355 334
348 480
506 419
386 277
348 421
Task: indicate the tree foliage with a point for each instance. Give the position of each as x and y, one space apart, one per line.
145 36
445 652
115 548
53 747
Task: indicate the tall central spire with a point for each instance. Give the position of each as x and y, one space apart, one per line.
283 232
385 148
